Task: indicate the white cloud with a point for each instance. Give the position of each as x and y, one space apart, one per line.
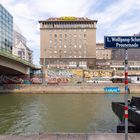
112 21
27 13
114 11
63 7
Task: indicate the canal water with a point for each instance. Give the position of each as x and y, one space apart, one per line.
41 113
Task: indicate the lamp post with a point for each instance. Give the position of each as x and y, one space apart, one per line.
44 66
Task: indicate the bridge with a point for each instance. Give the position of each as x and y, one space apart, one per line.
14 65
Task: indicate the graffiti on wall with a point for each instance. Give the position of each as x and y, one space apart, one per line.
4 79
100 73
10 79
72 75
63 75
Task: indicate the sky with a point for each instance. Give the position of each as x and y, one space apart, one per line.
115 17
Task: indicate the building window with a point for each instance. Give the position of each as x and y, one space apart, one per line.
84 30
55 35
80 36
65 35
85 41
55 41
70 42
50 35
84 35
50 41
60 41
60 35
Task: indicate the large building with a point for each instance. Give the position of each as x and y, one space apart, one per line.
119 54
68 42
102 53
103 56
20 48
133 54
6 30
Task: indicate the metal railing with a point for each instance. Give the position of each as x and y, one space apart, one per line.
16 58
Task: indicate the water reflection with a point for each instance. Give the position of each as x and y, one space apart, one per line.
33 113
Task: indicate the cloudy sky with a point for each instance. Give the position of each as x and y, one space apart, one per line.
115 17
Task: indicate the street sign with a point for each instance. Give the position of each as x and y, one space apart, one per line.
112 89
122 42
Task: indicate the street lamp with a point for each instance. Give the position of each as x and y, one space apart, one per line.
44 66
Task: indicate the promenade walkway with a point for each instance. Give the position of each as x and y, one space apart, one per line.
63 136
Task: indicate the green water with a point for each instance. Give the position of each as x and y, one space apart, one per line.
41 113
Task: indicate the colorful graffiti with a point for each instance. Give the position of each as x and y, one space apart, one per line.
63 75
10 79
74 75
102 73
4 79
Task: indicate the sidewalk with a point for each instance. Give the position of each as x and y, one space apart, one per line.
63 136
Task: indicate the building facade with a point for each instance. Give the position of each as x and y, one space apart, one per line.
119 54
20 48
68 42
6 30
133 54
101 52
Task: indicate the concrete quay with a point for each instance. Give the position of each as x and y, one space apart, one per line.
72 136
67 89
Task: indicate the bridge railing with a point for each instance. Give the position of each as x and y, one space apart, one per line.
16 58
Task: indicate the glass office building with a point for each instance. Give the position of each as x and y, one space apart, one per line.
6 30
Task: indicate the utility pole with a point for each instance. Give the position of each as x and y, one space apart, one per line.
44 66
126 95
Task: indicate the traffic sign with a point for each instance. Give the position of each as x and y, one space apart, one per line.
122 42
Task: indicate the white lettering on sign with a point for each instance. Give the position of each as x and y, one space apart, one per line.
108 39
122 42
118 39
134 39
126 45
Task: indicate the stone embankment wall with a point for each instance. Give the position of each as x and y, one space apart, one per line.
77 88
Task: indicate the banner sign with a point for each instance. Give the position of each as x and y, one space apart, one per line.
122 42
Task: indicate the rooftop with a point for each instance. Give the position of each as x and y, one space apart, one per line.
67 18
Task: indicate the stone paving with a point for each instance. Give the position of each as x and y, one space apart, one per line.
63 136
